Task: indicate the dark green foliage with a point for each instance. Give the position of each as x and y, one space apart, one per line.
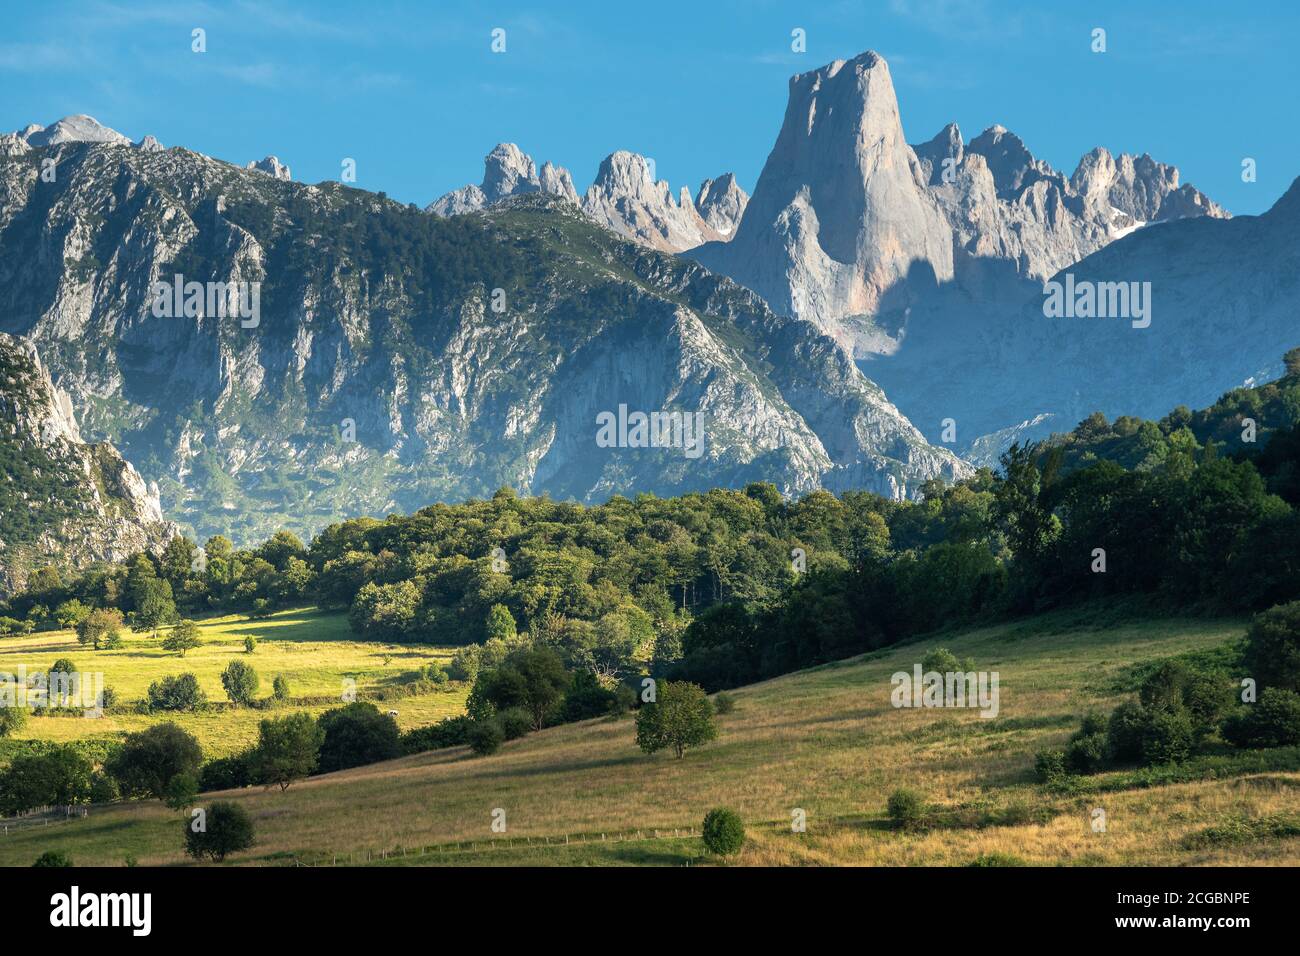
906 809
1124 732
229 773
723 832
57 775
1272 721
533 680
1049 765
1273 647
224 829
104 788
148 760
178 692
1168 736
486 736
515 722
587 698
357 734
53 858
11 719
448 732
1087 750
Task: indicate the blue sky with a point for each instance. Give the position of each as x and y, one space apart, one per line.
414 94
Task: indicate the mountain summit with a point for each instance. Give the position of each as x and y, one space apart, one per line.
850 227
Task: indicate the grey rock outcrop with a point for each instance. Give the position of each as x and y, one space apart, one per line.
72 129
625 198
65 502
272 166
507 171
721 204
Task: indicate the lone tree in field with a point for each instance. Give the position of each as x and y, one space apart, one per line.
288 748
100 627
241 682
681 717
218 831
183 636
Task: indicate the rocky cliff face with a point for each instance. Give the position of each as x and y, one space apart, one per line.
624 197
852 229
62 501
401 358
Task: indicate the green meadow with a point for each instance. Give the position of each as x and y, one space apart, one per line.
826 741
315 652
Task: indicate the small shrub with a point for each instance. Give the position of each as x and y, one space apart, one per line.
53 858
486 737
1049 765
723 703
176 693
515 722
1273 721
996 859
1086 753
448 732
941 660
250 644
226 828
1167 737
906 809
723 832
1124 732
280 688
435 674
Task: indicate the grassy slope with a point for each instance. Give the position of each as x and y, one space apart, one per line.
826 740
315 651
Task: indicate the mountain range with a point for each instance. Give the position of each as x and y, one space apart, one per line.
872 317
401 357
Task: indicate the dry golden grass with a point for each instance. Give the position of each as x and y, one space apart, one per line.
825 740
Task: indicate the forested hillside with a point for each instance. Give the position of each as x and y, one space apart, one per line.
725 587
